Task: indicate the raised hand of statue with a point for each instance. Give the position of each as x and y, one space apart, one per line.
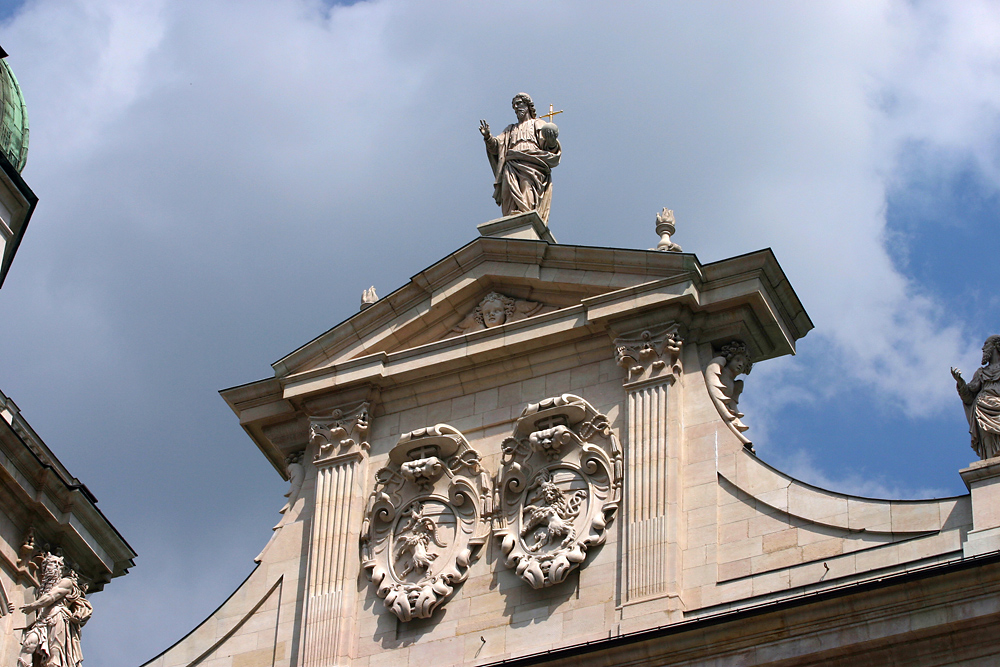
957 374
484 129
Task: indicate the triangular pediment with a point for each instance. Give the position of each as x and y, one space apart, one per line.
445 301
554 297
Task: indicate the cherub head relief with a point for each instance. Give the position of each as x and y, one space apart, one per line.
494 310
737 358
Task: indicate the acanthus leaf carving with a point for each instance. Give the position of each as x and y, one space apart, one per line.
426 520
340 433
732 360
296 475
653 354
559 488
290 510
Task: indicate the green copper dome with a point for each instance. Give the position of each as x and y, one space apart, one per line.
14 119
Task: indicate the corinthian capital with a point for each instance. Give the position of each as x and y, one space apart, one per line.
340 432
652 354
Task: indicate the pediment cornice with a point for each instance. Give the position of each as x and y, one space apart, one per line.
436 299
410 335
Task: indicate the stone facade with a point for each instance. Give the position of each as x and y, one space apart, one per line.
43 507
612 512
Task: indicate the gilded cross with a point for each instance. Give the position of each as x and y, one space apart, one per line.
551 113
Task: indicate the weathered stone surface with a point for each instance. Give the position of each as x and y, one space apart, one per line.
733 360
427 518
712 557
558 489
56 547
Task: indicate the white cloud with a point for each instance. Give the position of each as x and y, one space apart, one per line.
801 466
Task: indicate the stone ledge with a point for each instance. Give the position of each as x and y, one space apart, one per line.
981 542
979 471
520 226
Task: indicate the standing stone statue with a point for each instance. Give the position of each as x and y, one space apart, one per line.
53 640
522 158
982 400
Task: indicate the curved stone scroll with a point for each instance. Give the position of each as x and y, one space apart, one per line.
559 487
426 520
720 376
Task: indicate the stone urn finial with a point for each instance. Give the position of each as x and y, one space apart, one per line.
368 297
665 227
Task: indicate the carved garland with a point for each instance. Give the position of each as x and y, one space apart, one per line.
426 520
560 485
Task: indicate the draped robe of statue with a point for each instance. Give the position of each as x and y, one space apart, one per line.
56 633
523 168
981 398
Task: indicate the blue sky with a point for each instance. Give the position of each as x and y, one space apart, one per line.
218 182
8 8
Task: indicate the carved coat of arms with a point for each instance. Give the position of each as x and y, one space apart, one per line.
426 520
559 487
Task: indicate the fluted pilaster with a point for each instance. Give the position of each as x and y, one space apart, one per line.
652 458
328 625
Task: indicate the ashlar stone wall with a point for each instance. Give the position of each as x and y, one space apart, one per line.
639 369
742 533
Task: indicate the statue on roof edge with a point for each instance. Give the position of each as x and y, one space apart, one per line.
522 158
981 399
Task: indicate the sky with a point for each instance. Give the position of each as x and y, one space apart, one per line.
219 181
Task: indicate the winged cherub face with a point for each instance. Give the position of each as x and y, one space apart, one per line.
493 313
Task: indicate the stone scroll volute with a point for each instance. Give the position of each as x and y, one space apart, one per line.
559 487
426 520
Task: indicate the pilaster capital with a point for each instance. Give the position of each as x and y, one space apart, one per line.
340 436
650 355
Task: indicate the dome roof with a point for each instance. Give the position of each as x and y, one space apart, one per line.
13 119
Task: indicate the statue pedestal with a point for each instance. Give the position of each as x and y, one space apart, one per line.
520 226
983 480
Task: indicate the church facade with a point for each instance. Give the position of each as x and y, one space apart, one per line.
533 453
